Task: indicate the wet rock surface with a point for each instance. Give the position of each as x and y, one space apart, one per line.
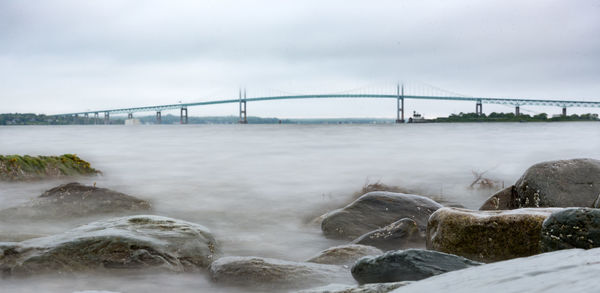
75 200
344 254
134 242
572 270
375 210
571 228
504 199
564 183
365 288
401 234
407 265
259 272
487 236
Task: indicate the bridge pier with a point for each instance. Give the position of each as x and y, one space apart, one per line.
479 108
129 115
183 116
158 117
400 105
564 111
517 111
243 117
106 118
87 118
95 118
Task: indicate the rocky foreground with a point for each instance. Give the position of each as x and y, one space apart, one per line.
540 235
22 168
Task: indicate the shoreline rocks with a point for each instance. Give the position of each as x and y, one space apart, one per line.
487 236
407 265
375 210
272 273
135 242
344 254
571 228
22 168
401 234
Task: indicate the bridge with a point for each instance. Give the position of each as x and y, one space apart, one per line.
399 96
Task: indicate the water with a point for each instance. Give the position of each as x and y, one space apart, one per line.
257 186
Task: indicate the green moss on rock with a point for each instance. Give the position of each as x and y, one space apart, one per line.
17 168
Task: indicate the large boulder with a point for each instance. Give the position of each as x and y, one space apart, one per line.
564 183
133 242
407 265
504 199
572 270
487 236
365 288
375 210
401 234
344 254
75 200
571 228
259 272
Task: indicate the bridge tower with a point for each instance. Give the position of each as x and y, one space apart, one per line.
517 110
564 111
400 104
478 108
95 118
107 117
129 115
87 118
183 116
158 117
243 117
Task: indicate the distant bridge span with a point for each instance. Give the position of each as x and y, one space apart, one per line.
242 100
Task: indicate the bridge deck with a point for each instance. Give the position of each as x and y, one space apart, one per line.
501 101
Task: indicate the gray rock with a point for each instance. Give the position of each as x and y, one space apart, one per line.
133 242
566 183
365 288
401 234
75 200
504 199
271 273
571 270
407 265
571 228
375 210
344 254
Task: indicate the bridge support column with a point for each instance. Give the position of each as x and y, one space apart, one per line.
517 111
478 108
158 117
106 118
400 105
129 115
243 117
564 111
95 118
87 118
183 117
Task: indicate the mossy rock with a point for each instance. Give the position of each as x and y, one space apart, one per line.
19 168
487 236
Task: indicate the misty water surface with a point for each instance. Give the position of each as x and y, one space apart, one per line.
257 186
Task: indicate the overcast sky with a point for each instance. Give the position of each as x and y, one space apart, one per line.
65 56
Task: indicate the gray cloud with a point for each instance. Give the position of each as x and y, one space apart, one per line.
61 56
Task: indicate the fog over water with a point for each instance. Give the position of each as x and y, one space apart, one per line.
256 187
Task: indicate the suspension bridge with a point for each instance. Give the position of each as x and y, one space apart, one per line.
399 96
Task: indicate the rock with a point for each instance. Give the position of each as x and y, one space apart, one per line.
365 288
504 199
22 168
572 270
407 265
273 273
566 183
344 254
398 235
571 228
133 242
375 210
75 200
487 236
